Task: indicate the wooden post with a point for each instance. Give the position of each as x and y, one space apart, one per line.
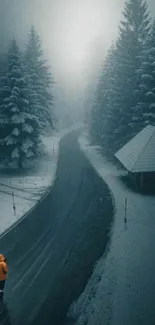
125 208
14 206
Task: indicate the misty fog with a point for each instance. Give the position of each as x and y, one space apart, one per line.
75 35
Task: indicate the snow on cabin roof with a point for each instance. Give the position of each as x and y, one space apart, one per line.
138 155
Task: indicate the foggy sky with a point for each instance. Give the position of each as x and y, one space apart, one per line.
75 33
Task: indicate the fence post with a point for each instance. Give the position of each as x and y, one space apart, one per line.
125 208
14 206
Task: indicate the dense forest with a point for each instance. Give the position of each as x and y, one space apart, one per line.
124 101
26 101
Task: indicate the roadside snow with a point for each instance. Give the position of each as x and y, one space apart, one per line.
122 287
29 187
32 185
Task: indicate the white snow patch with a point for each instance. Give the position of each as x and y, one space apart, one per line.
146 77
29 154
152 105
15 132
150 94
18 119
10 141
123 282
15 153
27 128
26 145
14 109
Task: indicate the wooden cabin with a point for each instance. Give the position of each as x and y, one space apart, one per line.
138 157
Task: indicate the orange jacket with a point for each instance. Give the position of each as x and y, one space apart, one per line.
3 268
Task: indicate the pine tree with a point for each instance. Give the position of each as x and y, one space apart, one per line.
104 118
133 32
40 81
114 111
145 108
110 115
20 128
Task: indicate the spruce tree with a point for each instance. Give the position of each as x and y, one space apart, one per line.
20 128
39 80
133 32
145 108
110 116
114 111
104 117
3 69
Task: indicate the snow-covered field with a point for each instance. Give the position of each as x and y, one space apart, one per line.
122 287
31 186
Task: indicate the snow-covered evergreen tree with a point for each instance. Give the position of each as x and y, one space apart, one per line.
104 117
3 69
39 80
20 128
145 108
133 32
115 108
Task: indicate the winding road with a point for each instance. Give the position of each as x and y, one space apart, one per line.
51 253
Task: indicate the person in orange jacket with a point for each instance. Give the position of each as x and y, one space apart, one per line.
3 274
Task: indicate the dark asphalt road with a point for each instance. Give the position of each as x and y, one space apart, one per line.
51 253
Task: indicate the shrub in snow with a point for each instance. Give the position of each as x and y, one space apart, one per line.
20 135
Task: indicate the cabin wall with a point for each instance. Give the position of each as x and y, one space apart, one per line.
145 181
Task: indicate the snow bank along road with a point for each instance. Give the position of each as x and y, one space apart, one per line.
121 290
30 184
51 253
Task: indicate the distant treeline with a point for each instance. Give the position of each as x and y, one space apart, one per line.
125 97
26 101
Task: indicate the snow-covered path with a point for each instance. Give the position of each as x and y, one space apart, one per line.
122 287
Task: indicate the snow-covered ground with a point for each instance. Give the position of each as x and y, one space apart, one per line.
32 185
121 290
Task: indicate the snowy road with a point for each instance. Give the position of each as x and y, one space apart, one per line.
51 253
125 291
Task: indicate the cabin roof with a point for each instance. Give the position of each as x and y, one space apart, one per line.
138 155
